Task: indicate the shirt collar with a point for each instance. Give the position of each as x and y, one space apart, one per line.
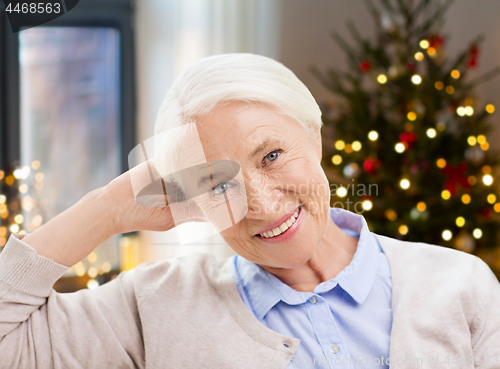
264 290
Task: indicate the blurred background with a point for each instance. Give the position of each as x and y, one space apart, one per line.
79 92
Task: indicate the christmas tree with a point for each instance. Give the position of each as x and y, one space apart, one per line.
408 137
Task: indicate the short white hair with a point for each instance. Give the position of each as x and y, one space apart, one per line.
241 77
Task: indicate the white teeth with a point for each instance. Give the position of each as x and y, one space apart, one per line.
282 228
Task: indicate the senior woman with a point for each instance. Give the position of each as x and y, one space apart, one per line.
309 286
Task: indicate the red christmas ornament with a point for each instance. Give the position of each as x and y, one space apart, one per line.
365 66
473 55
408 139
436 41
456 176
370 165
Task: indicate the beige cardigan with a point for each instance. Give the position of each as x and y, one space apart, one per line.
187 313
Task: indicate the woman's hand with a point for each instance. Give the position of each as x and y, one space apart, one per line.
154 213
72 235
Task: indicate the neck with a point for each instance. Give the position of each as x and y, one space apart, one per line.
333 254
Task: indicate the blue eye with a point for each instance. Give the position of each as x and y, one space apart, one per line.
220 188
272 156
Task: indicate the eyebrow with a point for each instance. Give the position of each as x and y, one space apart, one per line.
262 147
208 178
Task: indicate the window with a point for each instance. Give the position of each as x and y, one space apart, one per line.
67 103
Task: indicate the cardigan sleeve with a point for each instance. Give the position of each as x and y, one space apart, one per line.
485 328
40 328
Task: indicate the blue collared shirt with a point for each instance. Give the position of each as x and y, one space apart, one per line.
345 321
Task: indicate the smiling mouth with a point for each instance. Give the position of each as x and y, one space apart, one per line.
282 228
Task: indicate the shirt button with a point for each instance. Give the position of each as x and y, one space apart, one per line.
334 349
313 300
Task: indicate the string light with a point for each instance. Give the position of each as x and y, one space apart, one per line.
466 198
373 135
92 283
477 233
491 198
403 229
490 108
441 163
399 147
431 51
348 148
460 221
92 257
80 269
37 220
486 169
35 164
18 173
14 228
455 74
419 56
487 179
416 79
367 205
23 188
382 78
472 180
336 159
447 235
461 111
412 116
471 140
469 111
92 272
485 146
356 145
481 139
106 267
404 184
18 218
341 191
424 44
431 133
450 90
339 145
445 194
441 126
439 85
3 199
496 207
421 206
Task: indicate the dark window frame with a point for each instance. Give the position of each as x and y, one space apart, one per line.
116 14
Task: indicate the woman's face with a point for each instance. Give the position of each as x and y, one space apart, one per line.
280 166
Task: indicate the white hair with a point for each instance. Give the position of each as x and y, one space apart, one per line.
242 77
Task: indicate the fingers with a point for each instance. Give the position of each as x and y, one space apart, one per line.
147 185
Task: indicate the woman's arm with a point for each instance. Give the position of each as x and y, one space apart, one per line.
97 328
102 213
76 232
